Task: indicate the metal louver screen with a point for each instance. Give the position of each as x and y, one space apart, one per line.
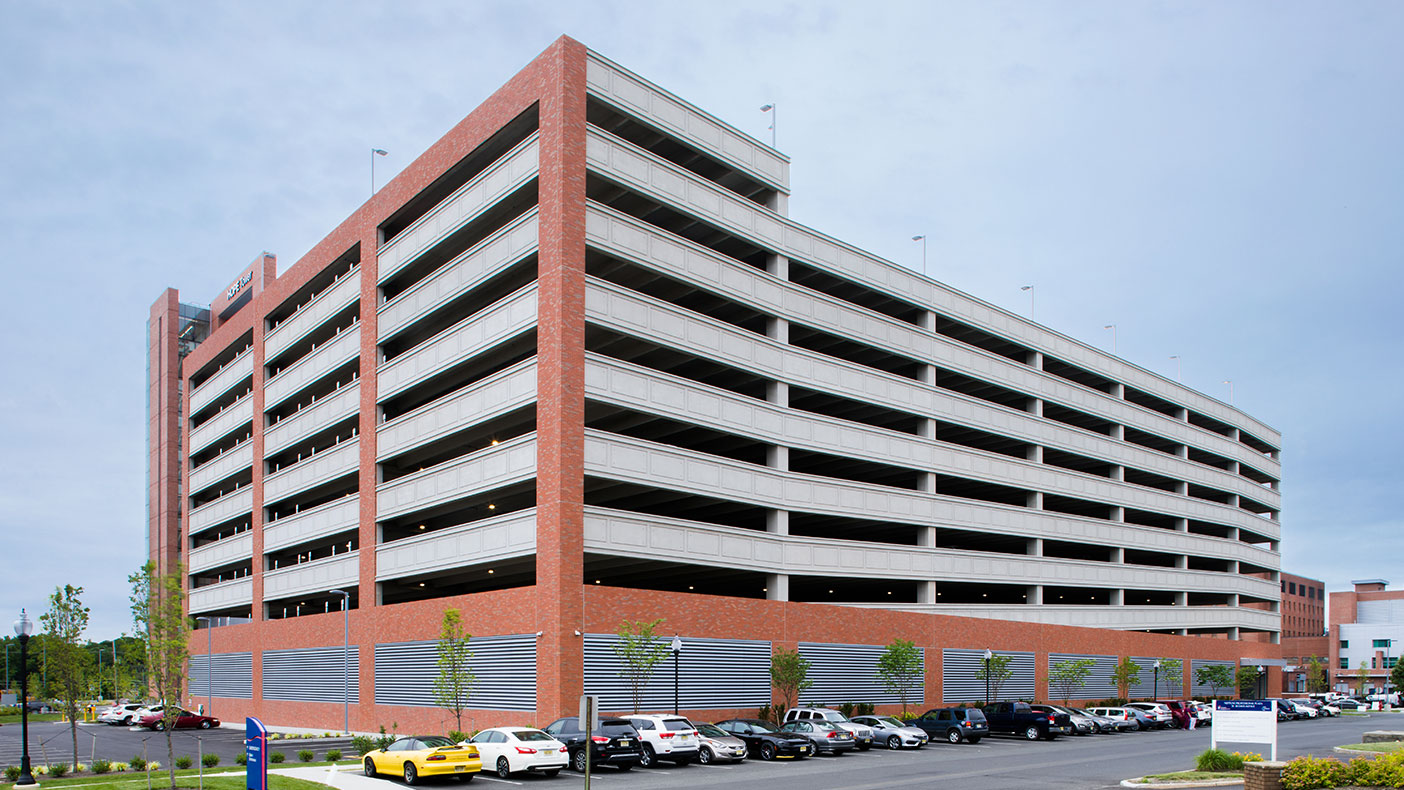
712 674
1099 681
1197 688
232 677
959 683
503 667
313 674
848 673
1169 685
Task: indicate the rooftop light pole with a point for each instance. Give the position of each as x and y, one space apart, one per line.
922 239
774 112
1112 327
1230 383
1030 289
24 627
345 658
373 154
1179 372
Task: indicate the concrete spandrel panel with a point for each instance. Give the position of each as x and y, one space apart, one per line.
221 510
236 415
223 552
329 464
331 301
312 577
234 372
489 540
224 595
227 463
340 404
483 400
474 266
509 462
331 355
324 520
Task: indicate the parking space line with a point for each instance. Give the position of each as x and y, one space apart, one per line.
497 779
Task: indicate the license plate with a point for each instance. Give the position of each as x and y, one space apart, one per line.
548 751
459 767
682 737
624 742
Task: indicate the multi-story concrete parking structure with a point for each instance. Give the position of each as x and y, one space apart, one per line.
575 364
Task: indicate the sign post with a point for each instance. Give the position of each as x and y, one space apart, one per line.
589 722
1245 721
256 750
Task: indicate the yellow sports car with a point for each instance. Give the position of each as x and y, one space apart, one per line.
425 755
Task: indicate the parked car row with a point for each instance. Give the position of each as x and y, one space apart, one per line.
153 717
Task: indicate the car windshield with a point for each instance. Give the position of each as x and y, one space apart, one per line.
712 731
889 721
434 741
531 735
763 726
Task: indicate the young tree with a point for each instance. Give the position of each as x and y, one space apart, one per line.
455 679
1316 676
1247 681
1125 674
1396 677
998 674
158 617
640 650
789 675
1363 676
65 623
1172 673
899 669
1215 676
1066 677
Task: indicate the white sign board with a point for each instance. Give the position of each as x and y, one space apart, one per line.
1245 721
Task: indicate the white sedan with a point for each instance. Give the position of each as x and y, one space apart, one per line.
509 749
121 714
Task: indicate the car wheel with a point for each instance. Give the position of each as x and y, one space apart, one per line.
577 761
370 767
767 751
863 747
705 756
205 725
551 771
625 767
894 742
648 760
1175 724
953 735
411 774
127 722
504 769
1031 733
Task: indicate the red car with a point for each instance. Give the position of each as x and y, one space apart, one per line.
185 720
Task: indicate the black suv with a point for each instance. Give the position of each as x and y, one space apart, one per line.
954 724
616 742
765 739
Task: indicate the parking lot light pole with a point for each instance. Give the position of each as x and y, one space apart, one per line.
23 628
988 656
101 649
345 657
677 658
1262 682
114 672
209 664
1155 684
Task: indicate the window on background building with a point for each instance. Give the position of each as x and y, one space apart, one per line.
1345 663
1345 644
1291 588
1381 643
1390 661
1311 593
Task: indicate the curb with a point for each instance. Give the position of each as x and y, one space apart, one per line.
1136 782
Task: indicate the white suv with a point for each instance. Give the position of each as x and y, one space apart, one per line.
665 737
862 734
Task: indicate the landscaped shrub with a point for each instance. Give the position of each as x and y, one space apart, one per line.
863 709
184 761
137 762
457 737
276 757
1218 760
333 755
305 755
210 760
362 744
101 766
57 770
12 773
847 709
1309 773
241 759
153 766
119 767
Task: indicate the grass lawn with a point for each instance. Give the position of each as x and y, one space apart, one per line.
228 780
33 717
1382 748
1193 776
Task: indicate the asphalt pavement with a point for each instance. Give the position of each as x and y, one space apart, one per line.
50 742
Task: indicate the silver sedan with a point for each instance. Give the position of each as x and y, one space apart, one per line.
893 732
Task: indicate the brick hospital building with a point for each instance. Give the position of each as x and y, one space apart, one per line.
575 365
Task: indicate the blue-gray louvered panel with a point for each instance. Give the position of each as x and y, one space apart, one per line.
1198 689
712 674
1170 684
959 684
848 673
503 667
313 674
232 677
1099 682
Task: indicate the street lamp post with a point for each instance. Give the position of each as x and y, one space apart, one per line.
1262 682
1155 684
101 649
209 664
373 154
677 659
988 656
1112 327
774 115
345 659
114 672
922 239
23 628
7 666
1030 289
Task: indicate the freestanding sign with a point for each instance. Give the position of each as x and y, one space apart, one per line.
1245 721
256 750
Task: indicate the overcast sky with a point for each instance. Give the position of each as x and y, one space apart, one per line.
1221 181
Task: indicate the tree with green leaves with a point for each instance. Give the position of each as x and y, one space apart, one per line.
1396 676
1125 674
65 623
158 617
789 676
1247 681
1316 676
640 650
1066 677
455 680
1215 676
996 672
1363 677
1172 670
899 669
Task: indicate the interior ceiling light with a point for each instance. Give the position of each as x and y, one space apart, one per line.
489 570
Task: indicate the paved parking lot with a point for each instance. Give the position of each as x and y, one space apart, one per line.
50 742
996 763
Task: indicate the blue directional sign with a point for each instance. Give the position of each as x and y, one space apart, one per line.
256 750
